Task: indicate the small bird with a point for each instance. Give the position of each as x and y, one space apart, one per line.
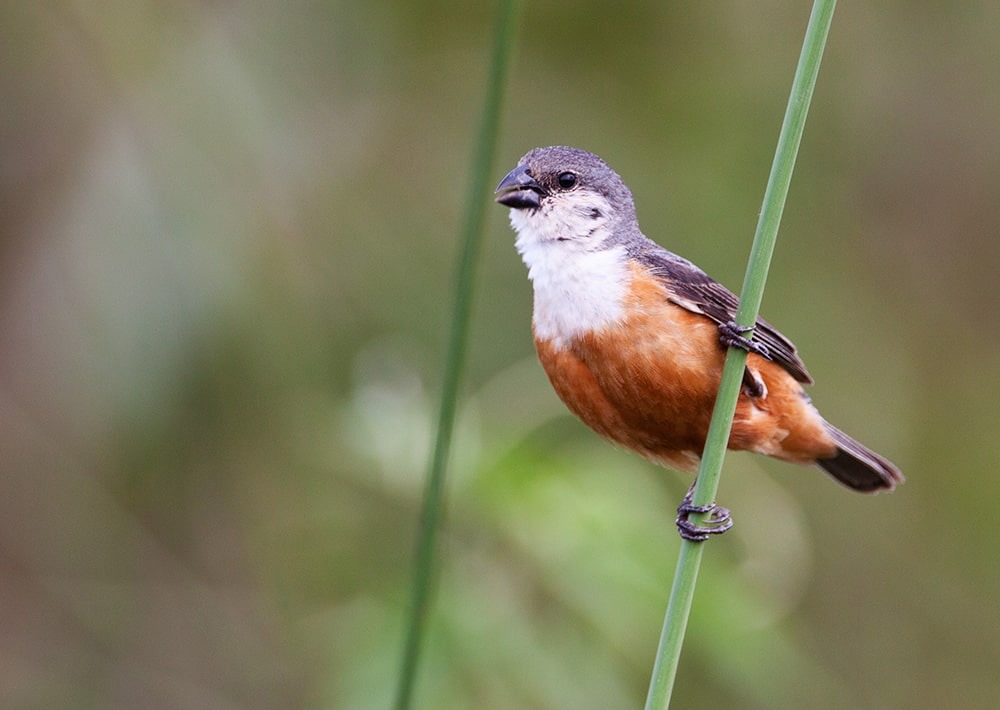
633 337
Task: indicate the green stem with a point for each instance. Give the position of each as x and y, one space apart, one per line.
689 558
471 239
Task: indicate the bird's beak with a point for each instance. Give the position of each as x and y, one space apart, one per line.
519 190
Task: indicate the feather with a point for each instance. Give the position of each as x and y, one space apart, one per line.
694 290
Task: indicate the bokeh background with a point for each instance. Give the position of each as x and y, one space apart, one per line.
228 236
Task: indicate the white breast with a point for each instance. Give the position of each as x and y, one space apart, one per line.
579 285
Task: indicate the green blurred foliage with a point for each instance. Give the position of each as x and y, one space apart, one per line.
226 245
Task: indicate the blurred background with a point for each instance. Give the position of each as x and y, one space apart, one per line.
228 235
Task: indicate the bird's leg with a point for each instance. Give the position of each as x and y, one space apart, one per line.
717 522
753 383
733 335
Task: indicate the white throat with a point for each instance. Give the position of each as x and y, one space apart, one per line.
580 285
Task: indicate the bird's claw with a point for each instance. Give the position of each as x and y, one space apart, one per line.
718 521
733 335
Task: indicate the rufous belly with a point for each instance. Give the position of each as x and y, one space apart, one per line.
649 384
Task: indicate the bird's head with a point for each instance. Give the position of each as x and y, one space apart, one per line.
567 195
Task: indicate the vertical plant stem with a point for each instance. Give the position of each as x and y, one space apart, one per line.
689 558
471 239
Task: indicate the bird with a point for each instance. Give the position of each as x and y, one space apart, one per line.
633 337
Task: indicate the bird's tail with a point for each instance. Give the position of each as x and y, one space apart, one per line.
858 467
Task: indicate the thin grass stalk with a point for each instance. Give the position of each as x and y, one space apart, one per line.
471 240
689 558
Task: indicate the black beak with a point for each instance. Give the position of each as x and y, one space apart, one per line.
519 190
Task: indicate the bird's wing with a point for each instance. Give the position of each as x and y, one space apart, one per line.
694 290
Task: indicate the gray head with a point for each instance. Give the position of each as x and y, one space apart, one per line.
567 194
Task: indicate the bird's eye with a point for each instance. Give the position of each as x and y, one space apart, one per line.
567 180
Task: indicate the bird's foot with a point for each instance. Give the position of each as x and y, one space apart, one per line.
717 522
733 335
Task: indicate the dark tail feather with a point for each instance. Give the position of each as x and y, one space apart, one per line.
858 467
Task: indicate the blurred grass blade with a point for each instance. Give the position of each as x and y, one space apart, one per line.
471 238
689 559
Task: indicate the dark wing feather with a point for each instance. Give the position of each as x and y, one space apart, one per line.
694 290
